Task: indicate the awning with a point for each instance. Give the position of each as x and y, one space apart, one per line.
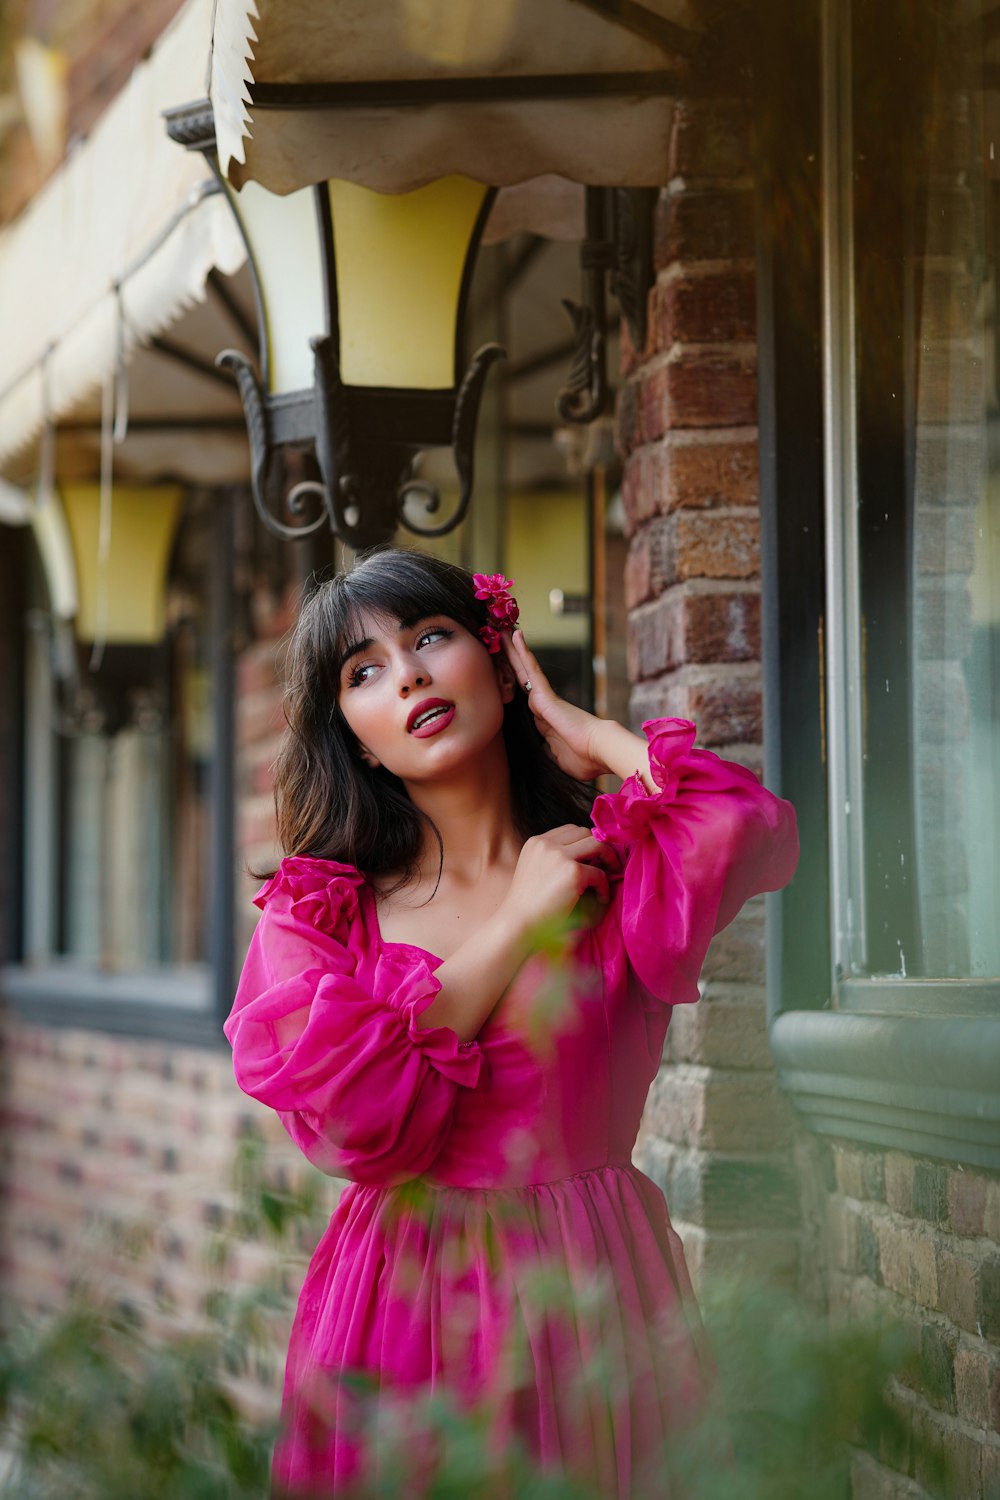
116 246
535 96
398 94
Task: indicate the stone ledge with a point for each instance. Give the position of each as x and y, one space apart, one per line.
925 1084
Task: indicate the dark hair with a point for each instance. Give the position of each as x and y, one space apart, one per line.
329 803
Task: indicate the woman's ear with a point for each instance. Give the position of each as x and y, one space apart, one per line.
506 678
369 759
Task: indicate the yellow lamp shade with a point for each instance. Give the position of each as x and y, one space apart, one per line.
401 262
123 599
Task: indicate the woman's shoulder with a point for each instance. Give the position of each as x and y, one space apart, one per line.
319 893
301 875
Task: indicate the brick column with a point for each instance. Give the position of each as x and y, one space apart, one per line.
259 726
717 1132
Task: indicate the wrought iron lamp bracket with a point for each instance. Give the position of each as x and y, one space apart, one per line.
268 471
365 443
617 248
463 447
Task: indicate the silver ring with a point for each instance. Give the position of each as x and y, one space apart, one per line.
527 687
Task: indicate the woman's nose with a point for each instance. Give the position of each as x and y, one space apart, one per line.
410 679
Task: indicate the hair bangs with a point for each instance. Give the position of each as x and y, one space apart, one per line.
399 586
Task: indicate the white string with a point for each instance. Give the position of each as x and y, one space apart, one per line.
121 369
114 429
102 602
47 441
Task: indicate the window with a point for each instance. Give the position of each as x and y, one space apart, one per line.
123 812
884 631
925 717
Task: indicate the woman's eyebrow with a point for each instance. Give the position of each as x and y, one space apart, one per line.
354 650
418 620
403 625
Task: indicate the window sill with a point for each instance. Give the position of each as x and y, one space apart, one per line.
169 1004
925 1083
919 997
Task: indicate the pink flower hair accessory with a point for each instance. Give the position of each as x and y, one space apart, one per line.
501 606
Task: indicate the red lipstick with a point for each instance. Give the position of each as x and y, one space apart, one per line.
436 713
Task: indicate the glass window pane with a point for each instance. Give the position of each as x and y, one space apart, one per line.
955 552
918 130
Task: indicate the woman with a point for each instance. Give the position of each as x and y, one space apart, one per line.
457 997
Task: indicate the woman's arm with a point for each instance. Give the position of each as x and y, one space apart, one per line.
694 851
699 835
361 1088
621 752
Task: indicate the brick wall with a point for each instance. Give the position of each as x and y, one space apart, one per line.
918 1241
717 1131
101 1130
111 1144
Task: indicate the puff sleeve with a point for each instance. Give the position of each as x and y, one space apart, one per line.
361 1088
695 850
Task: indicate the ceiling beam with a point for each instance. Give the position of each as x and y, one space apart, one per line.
169 349
234 309
401 93
157 424
646 23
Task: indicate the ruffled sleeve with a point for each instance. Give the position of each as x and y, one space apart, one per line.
695 850
361 1088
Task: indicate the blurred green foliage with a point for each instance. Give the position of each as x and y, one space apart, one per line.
111 1400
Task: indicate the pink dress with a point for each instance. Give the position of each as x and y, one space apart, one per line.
495 1243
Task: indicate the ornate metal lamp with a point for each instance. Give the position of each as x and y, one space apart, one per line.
361 300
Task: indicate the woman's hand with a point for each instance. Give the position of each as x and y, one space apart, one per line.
553 870
581 744
569 732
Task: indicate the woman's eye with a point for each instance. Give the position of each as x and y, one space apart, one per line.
359 674
437 634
